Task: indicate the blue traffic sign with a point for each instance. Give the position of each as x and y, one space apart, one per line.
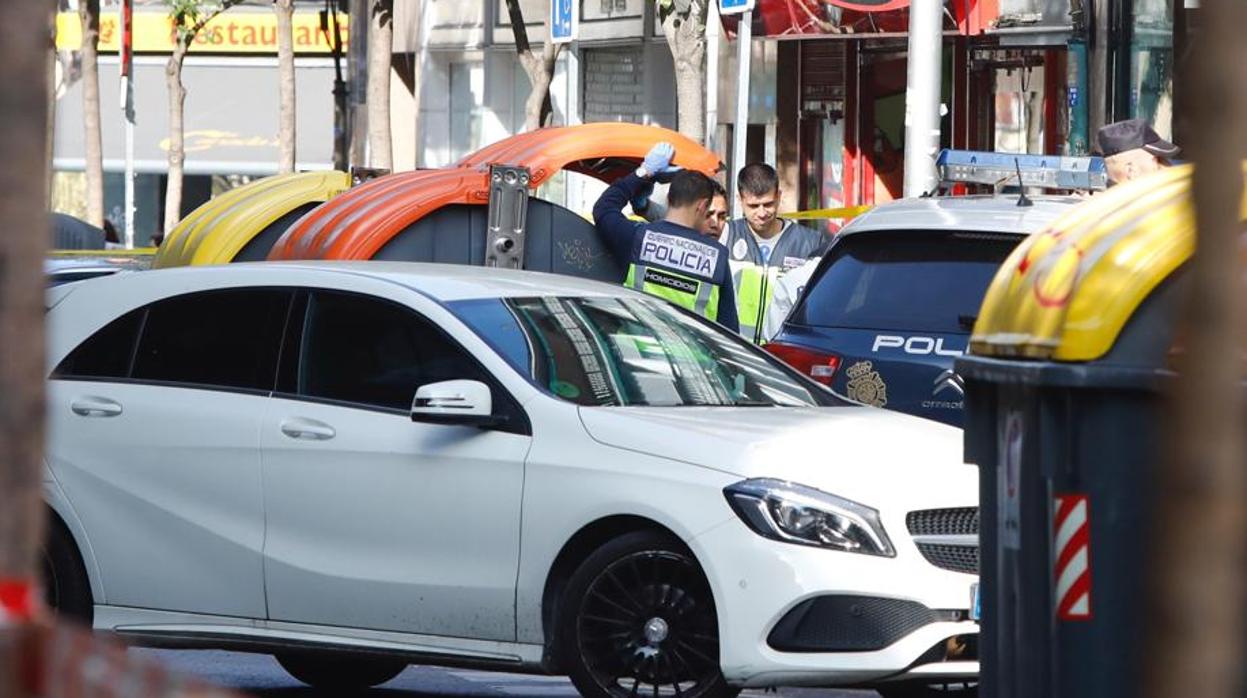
729 7
562 21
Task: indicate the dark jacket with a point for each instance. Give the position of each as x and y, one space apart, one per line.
796 244
624 238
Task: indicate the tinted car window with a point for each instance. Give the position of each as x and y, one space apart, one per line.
219 338
905 280
107 353
367 351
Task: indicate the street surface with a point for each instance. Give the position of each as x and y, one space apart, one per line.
260 676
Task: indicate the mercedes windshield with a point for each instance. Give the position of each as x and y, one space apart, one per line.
620 351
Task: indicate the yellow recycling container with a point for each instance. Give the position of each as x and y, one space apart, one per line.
243 224
1065 384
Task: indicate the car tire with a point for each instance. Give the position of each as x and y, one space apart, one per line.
323 671
66 588
638 617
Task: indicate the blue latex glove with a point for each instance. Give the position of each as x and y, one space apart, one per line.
658 158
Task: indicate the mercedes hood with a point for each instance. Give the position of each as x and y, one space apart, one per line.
866 454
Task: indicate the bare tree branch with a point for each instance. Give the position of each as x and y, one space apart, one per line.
518 27
203 22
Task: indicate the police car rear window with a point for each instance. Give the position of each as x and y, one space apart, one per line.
904 280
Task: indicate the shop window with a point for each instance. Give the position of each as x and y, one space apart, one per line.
1151 64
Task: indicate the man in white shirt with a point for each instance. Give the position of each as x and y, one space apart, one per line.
763 247
787 290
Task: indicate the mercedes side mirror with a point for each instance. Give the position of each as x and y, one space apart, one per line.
454 402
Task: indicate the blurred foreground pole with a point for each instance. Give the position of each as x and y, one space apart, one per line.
1196 585
23 208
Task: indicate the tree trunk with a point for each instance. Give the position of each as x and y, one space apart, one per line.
537 106
380 46
49 68
177 109
686 37
540 70
417 85
357 76
24 107
285 63
177 151
89 13
1195 585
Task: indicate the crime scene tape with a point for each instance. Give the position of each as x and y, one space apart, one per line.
817 214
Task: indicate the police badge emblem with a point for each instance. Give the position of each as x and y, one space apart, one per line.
866 386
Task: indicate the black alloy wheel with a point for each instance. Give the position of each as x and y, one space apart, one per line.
640 620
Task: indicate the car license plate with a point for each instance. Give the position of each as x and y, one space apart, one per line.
976 606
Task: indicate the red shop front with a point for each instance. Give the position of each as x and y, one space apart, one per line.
845 120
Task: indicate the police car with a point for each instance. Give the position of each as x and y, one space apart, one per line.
892 303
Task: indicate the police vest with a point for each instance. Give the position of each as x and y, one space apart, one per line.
679 269
754 280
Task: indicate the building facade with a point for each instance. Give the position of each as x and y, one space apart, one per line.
473 88
1027 76
231 109
826 88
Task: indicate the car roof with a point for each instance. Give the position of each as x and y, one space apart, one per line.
441 282
998 213
450 282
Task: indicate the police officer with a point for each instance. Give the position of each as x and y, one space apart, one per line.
763 246
670 258
1131 149
716 215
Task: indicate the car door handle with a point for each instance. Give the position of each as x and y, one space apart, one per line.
308 429
95 407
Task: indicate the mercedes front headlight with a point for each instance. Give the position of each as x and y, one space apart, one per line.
793 513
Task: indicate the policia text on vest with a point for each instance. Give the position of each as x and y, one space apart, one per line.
666 259
754 274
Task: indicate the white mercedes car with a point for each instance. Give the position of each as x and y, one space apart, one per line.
359 466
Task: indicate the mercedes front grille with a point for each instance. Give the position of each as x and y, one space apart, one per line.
947 538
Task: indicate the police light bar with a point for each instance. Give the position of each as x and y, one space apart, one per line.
1043 171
